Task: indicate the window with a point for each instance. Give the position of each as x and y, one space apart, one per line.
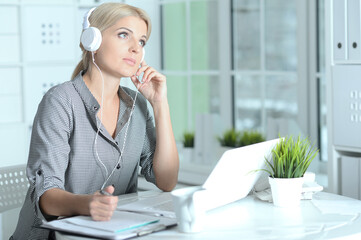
265 65
268 78
321 79
191 63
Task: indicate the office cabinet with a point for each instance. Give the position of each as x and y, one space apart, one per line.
350 171
343 71
346 105
339 24
353 33
346 32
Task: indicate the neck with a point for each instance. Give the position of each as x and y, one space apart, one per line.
93 80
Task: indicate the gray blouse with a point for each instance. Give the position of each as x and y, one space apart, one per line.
62 153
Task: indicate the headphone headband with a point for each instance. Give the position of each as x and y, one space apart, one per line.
86 23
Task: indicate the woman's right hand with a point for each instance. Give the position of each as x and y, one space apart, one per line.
102 207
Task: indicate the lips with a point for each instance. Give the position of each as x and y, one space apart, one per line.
129 61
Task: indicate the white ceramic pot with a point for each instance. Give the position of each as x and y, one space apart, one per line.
286 192
188 154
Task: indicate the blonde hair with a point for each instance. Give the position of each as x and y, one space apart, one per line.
105 16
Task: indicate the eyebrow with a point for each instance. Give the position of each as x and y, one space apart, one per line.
144 36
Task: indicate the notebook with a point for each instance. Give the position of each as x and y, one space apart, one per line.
232 179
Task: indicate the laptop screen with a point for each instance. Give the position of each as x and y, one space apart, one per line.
234 174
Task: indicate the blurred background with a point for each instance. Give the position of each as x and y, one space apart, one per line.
248 65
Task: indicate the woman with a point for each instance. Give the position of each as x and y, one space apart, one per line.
90 134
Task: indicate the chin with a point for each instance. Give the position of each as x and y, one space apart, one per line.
127 72
124 74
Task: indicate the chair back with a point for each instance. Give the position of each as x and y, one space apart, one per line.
13 186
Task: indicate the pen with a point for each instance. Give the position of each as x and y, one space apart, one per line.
152 229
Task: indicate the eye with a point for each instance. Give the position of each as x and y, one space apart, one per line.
123 35
142 43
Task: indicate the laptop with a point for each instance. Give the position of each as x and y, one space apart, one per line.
232 179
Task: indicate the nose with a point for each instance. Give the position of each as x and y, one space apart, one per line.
135 47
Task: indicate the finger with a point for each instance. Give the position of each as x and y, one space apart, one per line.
153 74
110 189
147 72
144 63
102 209
102 215
108 200
142 69
101 218
136 82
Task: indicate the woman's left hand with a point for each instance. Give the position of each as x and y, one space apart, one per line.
153 87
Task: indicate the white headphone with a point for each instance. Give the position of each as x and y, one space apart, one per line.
91 38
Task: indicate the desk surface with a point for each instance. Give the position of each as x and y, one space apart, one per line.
327 216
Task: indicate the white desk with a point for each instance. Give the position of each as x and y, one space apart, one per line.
327 216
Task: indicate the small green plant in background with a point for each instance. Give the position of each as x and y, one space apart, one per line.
250 137
230 138
188 139
291 158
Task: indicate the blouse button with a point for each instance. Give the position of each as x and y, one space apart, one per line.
95 108
39 172
116 142
118 166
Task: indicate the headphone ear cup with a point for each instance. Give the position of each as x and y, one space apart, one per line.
91 38
143 56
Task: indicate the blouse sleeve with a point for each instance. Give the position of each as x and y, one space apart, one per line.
49 147
146 159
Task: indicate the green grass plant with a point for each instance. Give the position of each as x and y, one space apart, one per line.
188 139
230 138
250 137
290 158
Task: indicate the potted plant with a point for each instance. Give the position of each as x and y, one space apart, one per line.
188 145
250 137
230 138
287 164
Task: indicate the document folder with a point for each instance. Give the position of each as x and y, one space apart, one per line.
123 225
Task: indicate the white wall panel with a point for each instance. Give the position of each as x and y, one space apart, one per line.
13 144
11 106
10 81
86 2
9 49
49 33
9 23
47 2
38 80
10 1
